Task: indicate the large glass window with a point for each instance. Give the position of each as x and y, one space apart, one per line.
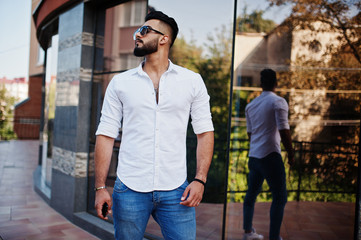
319 76
116 56
204 45
318 68
49 108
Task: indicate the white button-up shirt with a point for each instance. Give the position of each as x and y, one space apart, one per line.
265 116
152 154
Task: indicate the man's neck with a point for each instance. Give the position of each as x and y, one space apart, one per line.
270 90
156 64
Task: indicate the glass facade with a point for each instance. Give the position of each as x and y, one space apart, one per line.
228 43
49 109
325 122
205 45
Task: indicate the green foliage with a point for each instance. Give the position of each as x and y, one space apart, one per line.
325 171
319 174
335 70
254 22
341 17
214 65
186 54
6 114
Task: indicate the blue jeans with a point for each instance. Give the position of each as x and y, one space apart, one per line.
272 169
131 212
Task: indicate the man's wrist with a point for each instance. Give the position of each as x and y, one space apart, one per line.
200 181
99 188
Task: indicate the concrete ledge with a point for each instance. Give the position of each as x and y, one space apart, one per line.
84 220
101 228
40 187
94 225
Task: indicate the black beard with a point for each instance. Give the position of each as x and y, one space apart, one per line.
150 48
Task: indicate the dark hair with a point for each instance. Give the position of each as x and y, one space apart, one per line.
164 18
268 79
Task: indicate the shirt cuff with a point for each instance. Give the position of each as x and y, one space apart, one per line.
107 130
202 126
283 126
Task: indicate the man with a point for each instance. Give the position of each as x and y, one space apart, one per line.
154 102
267 125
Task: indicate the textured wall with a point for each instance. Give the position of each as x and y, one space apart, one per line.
73 106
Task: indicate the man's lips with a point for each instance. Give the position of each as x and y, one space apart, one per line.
138 41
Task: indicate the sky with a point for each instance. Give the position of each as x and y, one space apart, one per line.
15 16
15 38
215 12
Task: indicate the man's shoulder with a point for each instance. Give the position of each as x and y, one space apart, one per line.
254 101
278 98
126 73
124 76
273 97
278 102
265 99
184 71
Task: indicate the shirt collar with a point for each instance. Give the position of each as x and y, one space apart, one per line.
140 71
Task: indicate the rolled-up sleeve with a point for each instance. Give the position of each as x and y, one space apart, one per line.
110 121
281 112
200 108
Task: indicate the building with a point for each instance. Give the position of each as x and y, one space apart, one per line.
27 108
83 44
290 50
17 87
27 113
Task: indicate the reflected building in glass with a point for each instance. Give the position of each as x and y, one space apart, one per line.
93 41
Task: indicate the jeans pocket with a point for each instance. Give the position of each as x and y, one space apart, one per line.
119 186
183 187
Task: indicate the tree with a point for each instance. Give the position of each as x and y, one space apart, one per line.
214 65
254 22
6 102
326 81
333 71
336 15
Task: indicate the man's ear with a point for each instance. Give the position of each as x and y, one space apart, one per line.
164 40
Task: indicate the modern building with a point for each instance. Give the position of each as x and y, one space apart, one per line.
17 87
78 46
290 50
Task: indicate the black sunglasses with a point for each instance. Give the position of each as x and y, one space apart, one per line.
144 30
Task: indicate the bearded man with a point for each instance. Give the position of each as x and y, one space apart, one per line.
154 102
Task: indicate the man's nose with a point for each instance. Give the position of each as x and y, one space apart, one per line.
137 35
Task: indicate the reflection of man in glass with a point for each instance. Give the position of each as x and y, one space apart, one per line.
154 102
267 125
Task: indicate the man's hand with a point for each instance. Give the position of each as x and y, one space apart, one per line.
193 194
102 157
291 158
194 191
102 196
287 143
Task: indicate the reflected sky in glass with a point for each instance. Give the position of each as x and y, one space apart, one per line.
275 13
198 18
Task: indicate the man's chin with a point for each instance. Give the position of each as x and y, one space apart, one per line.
139 52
